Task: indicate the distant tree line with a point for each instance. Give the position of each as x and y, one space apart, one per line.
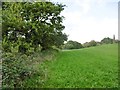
76 45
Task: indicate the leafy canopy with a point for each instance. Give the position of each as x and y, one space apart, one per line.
34 23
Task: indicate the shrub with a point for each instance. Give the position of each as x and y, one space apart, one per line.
15 69
18 68
6 46
92 43
89 44
86 44
107 40
73 45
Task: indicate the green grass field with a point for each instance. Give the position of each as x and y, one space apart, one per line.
93 67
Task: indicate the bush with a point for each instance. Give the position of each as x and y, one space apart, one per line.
17 67
6 46
14 69
73 45
107 40
92 43
86 44
69 46
89 44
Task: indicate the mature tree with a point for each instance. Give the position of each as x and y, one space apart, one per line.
92 43
73 45
35 23
107 40
89 44
86 44
47 23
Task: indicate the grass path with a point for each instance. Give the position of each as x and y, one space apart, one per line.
89 67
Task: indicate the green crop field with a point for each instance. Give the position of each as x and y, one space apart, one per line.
93 67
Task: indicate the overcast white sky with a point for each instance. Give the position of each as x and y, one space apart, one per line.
87 20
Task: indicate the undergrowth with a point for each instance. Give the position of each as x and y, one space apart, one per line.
18 69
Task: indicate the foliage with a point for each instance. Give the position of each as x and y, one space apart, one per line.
29 26
107 40
86 44
73 45
89 44
92 43
17 68
34 23
98 43
0 22
116 41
